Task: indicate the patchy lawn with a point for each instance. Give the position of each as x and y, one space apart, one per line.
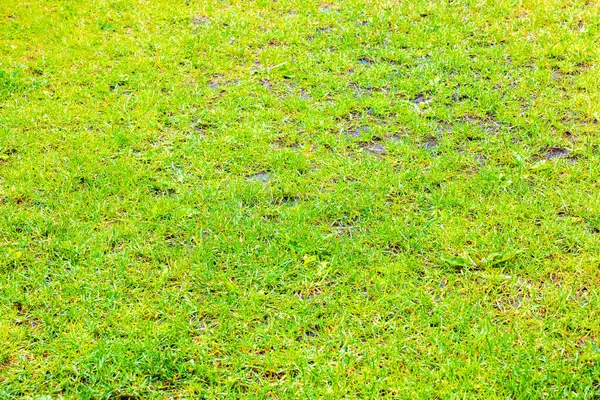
295 199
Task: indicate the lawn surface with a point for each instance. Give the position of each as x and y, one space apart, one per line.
295 199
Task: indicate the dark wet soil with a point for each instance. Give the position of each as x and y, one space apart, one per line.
555 152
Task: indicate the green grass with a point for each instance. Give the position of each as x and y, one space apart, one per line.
287 199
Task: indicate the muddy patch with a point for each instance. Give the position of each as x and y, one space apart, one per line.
160 191
481 160
303 94
488 124
200 20
457 97
375 148
327 8
281 143
266 83
341 228
324 29
6 155
357 132
285 200
430 144
555 152
419 99
262 177
308 335
395 138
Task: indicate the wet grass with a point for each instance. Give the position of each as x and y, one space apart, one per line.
294 199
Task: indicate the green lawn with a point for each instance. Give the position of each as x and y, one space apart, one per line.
294 199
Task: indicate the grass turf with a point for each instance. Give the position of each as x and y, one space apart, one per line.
294 199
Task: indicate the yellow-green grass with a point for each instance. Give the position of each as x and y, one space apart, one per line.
293 199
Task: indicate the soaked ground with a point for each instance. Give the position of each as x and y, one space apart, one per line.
258 199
